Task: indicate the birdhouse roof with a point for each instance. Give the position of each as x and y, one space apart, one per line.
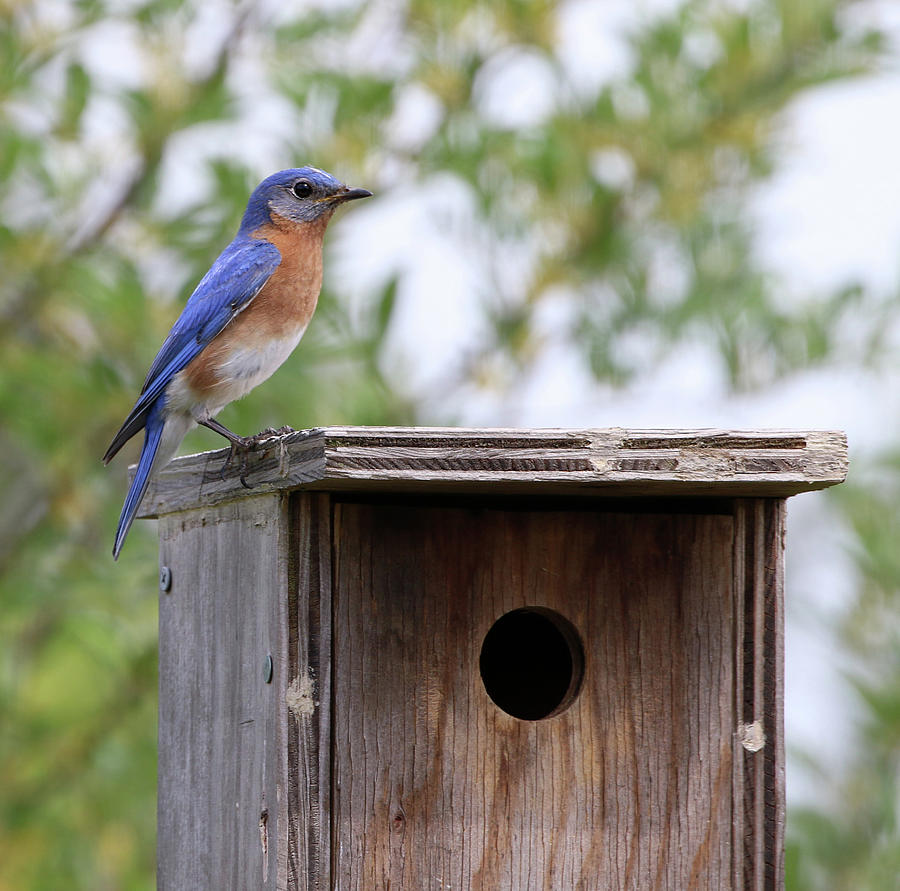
610 462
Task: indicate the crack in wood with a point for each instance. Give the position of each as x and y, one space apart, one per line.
458 442
714 441
465 465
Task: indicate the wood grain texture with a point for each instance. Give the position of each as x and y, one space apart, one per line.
220 767
435 787
376 760
244 766
583 462
307 802
760 762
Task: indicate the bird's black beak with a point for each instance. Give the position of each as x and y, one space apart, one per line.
351 195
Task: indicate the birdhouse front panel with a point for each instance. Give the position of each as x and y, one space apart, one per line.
529 698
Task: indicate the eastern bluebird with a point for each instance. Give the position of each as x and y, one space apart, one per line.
242 321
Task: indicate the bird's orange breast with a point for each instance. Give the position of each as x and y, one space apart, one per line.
279 313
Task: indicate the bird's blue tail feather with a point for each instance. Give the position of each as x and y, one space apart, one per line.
153 432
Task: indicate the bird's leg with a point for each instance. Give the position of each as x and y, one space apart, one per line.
241 444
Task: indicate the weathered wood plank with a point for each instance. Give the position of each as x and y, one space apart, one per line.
220 770
244 766
436 787
759 775
307 802
768 463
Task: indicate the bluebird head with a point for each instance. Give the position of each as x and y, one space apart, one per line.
301 194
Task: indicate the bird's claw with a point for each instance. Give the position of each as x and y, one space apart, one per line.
245 445
269 433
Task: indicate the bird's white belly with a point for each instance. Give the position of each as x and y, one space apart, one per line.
244 368
247 367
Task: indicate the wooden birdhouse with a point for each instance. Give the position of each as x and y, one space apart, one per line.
478 660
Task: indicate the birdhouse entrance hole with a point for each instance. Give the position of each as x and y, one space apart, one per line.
532 662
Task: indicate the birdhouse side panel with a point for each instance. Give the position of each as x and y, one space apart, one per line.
221 698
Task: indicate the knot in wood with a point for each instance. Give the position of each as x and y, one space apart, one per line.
752 736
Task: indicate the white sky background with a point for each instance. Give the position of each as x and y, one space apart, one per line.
831 213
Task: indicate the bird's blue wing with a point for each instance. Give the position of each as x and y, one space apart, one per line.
236 277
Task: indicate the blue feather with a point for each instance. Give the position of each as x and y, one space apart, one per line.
153 431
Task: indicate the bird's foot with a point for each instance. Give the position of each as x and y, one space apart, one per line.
239 446
243 445
269 433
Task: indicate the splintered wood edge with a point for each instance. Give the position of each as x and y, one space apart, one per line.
604 462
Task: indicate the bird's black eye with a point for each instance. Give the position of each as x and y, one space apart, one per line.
303 188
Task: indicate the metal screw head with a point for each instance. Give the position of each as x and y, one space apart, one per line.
165 579
269 669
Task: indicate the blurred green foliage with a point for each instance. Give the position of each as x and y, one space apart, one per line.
853 840
627 197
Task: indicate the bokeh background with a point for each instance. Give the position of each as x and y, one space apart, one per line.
587 213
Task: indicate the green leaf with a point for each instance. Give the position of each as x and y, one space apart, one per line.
75 98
